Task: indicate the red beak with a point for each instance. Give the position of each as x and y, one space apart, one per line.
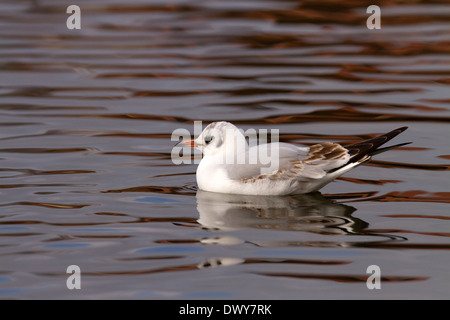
189 143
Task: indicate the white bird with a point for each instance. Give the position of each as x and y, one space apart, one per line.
230 165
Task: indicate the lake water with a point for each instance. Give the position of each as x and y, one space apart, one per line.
86 176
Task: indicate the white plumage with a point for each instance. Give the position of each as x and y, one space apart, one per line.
229 165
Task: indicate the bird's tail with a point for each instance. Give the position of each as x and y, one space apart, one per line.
363 151
371 147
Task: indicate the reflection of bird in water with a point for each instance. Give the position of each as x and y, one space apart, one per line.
308 212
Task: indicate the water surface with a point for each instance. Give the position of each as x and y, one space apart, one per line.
86 176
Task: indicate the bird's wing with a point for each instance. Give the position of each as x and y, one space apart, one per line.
314 164
287 161
266 159
327 157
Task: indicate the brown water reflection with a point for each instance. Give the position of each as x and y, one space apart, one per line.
86 176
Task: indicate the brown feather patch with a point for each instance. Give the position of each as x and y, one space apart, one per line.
317 152
325 151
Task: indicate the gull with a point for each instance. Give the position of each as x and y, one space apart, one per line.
230 165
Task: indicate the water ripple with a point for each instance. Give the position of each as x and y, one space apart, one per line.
85 156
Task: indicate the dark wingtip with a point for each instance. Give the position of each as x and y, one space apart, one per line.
371 146
364 150
380 150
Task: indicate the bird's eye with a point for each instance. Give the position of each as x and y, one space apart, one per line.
208 139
